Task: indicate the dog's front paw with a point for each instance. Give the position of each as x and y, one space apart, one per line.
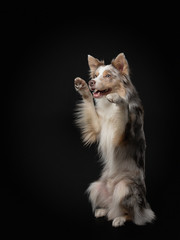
82 87
80 84
114 98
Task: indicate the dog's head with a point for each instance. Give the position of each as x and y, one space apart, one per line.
110 78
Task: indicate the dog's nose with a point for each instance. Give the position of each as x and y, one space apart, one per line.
91 83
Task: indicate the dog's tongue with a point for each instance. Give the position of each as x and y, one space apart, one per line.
96 94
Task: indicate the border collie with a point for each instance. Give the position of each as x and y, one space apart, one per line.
111 114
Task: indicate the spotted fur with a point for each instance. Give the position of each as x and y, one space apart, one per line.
114 119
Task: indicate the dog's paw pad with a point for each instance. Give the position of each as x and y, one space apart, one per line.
118 221
101 212
79 83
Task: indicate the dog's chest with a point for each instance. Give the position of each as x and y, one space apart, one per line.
107 121
108 115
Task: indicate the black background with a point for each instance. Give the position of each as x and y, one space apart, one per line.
45 168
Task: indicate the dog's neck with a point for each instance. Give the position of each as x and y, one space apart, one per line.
104 108
102 103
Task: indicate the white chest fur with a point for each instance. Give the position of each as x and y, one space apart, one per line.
108 116
113 119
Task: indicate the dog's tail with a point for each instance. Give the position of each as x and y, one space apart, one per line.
137 206
143 215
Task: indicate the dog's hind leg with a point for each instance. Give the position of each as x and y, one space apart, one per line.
100 212
116 213
99 198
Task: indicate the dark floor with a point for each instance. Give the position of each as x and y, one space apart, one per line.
30 216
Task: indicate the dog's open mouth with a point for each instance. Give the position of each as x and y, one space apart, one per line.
101 93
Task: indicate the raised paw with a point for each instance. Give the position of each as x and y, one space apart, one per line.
114 98
80 84
118 221
101 212
82 87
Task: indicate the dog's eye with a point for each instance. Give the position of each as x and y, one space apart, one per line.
108 75
95 75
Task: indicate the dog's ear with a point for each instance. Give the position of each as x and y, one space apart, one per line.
94 63
121 64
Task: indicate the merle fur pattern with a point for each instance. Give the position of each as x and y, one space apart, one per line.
119 194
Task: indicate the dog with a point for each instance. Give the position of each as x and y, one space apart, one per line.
111 114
